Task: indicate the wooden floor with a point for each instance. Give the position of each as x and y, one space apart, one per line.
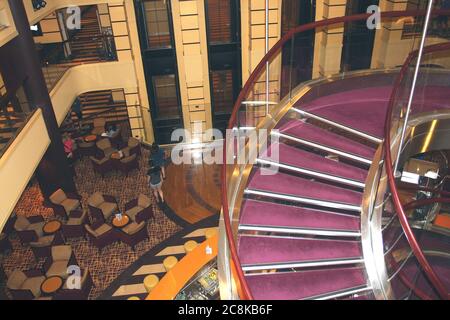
192 191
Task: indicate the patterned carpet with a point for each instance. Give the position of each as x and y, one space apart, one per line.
115 258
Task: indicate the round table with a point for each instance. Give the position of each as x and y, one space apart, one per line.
52 226
116 156
51 285
120 223
90 138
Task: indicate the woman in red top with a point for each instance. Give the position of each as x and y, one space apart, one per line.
68 145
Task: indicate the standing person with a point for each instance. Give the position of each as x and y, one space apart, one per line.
154 179
76 108
443 19
157 158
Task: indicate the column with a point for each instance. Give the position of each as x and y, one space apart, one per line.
22 63
329 40
189 26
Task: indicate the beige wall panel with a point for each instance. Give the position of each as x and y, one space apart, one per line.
192 49
191 36
188 7
189 22
196 106
194 70
259 16
117 13
105 21
120 28
102 8
49 38
125 55
122 43
19 162
197 116
195 93
261 4
132 99
6 19
49 25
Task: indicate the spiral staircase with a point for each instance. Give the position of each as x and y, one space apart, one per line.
297 234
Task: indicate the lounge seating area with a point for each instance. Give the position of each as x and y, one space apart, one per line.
100 222
42 239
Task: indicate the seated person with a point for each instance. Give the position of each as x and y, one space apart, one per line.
112 129
69 145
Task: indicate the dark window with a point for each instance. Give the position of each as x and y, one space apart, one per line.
166 97
222 87
157 22
220 28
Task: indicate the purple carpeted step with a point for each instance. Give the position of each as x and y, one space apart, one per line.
259 213
306 131
301 285
286 184
360 109
302 159
261 250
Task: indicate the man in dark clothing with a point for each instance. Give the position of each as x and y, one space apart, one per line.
76 108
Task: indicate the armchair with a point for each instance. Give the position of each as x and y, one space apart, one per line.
63 204
29 229
102 236
25 285
101 166
101 205
74 227
128 164
86 148
99 126
43 246
105 148
133 147
139 209
60 258
134 233
86 284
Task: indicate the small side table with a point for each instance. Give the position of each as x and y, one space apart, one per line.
51 285
53 227
122 222
90 138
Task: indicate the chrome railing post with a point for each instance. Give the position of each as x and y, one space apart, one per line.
414 81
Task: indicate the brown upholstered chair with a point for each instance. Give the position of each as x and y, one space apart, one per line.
60 258
101 166
105 148
133 147
134 233
64 203
68 293
74 228
101 205
139 209
99 126
25 285
29 229
86 148
43 246
101 236
128 164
